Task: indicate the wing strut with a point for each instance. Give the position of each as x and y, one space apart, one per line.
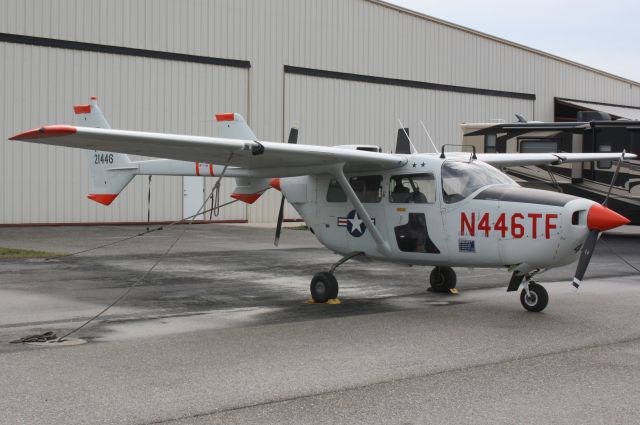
382 245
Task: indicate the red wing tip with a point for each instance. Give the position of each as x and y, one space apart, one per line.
225 117
82 109
44 132
249 198
104 199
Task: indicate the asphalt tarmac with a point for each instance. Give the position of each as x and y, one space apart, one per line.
220 332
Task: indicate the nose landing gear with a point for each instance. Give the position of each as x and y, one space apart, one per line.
534 297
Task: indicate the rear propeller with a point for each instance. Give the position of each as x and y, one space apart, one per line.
599 219
293 138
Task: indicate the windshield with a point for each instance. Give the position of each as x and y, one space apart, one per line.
461 179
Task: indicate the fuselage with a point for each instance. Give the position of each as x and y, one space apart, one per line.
453 212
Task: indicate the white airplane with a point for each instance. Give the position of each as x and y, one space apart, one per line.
446 210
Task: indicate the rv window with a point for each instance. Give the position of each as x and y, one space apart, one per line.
490 143
412 188
367 188
604 164
541 145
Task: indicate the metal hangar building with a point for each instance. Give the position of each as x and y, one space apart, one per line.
343 70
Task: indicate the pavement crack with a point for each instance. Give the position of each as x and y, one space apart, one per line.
396 380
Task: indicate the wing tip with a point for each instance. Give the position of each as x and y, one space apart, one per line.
46 131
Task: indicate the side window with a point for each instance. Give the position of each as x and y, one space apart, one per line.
367 188
335 192
412 188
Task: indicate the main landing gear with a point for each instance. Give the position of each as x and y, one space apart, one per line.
442 279
324 285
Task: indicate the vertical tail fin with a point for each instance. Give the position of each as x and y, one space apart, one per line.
110 172
233 126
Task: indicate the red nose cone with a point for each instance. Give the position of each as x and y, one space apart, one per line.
275 183
602 218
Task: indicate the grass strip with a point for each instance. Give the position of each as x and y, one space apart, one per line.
14 253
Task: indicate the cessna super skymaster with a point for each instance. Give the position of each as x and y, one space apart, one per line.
450 209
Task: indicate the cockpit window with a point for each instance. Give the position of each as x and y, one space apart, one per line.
461 179
412 188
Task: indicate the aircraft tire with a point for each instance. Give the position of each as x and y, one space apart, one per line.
539 298
442 279
324 287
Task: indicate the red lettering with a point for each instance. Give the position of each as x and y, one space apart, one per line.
534 223
470 226
517 229
501 225
549 225
484 224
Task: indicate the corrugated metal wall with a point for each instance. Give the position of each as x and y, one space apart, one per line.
368 113
355 36
44 184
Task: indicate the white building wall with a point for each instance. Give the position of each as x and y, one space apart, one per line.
353 36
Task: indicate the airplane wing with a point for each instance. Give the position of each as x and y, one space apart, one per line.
516 159
262 158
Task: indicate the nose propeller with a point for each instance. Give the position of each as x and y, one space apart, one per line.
599 219
275 183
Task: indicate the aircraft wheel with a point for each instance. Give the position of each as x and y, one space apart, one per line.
537 300
324 287
442 279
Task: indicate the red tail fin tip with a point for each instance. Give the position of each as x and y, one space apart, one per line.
104 199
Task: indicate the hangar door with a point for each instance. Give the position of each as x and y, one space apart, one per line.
332 111
42 184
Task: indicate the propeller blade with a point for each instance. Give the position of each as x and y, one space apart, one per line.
599 218
293 138
585 257
293 135
279 225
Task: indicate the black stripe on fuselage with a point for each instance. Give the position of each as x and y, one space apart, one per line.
526 195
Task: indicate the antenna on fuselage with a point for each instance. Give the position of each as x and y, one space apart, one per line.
413 148
435 149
